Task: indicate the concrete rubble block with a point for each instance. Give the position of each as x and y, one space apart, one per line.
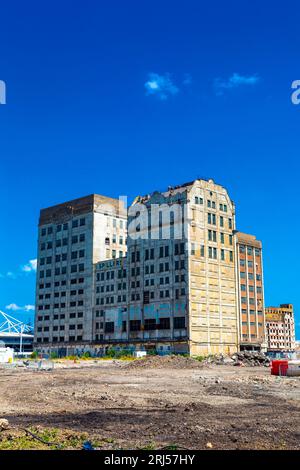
4 424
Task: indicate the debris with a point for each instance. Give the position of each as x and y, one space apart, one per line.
4 424
209 445
250 358
87 445
171 361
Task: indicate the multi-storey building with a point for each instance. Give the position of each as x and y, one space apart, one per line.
280 328
250 293
181 290
73 237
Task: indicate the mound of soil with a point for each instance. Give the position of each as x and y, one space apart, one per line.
169 362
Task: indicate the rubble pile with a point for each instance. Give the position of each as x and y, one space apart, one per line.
160 362
243 358
218 359
250 358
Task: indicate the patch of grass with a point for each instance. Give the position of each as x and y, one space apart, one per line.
199 358
149 446
108 440
171 447
34 355
20 440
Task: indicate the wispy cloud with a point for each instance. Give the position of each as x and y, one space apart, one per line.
30 266
236 80
15 308
24 269
161 86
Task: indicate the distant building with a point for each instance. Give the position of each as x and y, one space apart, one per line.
14 334
280 328
73 237
250 291
17 341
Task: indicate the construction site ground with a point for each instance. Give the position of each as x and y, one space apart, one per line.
152 404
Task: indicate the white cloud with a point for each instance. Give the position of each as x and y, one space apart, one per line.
29 308
30 266
161 86
13 307
16 308
236 80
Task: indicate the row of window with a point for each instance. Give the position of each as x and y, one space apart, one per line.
164 251
62 283
62 316
251 288
212 237
111 288
211 204
213 254
246 336
113 254
162 267
115 240
62 242
149 324
62 257
249 263
212 220
75 223
249 250
61 294
136 284
122 223
136 296
73 303
250 276
108 300
63 270
60 327
111 275
251 300
252 312
60 339
163 294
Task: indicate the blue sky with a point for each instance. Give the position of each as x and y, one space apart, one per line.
128 97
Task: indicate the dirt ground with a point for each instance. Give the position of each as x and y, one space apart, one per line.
124 405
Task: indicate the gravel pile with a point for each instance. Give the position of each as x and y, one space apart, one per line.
168 362
244 358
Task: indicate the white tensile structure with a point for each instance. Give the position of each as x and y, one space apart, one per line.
13 332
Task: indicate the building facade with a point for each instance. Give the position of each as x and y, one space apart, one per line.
280 328
73 237
111 289
249 269
173 283
181 289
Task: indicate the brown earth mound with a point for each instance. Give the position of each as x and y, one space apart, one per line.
170 362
